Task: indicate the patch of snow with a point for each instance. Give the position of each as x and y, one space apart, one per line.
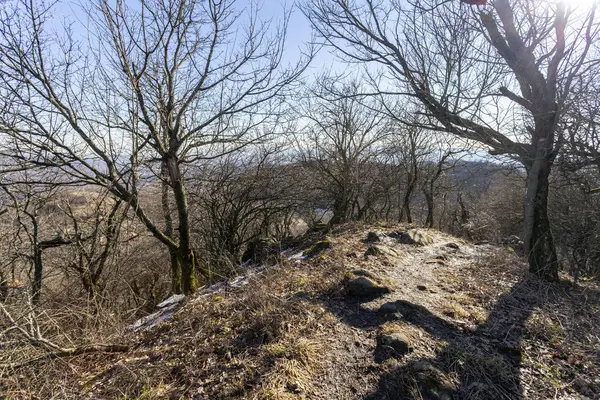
297 256
176 298
239 281
153 319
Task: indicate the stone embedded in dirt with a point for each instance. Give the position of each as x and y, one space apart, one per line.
373 251
391 311
294 387
422 365
395 341
435 261
432 382
452 246
372 237
259 249
421 287
413 237
378 250
365 287
364 272
391 307
317 248
449 313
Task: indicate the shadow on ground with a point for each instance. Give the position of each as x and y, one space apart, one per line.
486 361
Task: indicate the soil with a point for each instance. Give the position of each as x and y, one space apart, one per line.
479 327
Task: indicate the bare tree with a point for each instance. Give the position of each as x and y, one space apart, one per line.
240 198
27 200
410 148
158 86
445 155
472 69
339 142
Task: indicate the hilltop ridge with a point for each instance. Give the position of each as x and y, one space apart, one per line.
456 320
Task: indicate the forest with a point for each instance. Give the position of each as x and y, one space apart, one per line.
192 196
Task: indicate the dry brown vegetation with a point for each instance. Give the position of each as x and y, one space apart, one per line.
479 326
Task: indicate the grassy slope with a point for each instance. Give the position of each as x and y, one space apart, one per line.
480 328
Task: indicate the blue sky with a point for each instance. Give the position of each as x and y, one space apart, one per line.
299 32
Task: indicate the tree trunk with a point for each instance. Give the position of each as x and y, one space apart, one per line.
405 211
166 208
38 267
175 272
430 208
340 210
185 251
538 241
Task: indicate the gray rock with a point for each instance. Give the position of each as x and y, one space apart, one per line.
390 307
413 237
317 248
378 250
395 341
365 287
433 383
372 237
391 311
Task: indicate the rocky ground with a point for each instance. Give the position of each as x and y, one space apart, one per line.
369 312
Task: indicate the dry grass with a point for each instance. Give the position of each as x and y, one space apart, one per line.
292 333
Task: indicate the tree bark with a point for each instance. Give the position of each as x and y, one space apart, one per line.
185 252
430 208
405 210
38 268
537 237
166 208
340 209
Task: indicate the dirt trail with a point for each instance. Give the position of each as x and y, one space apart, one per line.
475 325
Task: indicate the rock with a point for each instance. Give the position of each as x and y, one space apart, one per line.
391 310
422 287
259 249
365 287
513 239
514 243
422 366
452 246
317 248
363 272
372 237
378 250
373 251
432 382
395 341
413 237
391 307
294 387
449 313
435 261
